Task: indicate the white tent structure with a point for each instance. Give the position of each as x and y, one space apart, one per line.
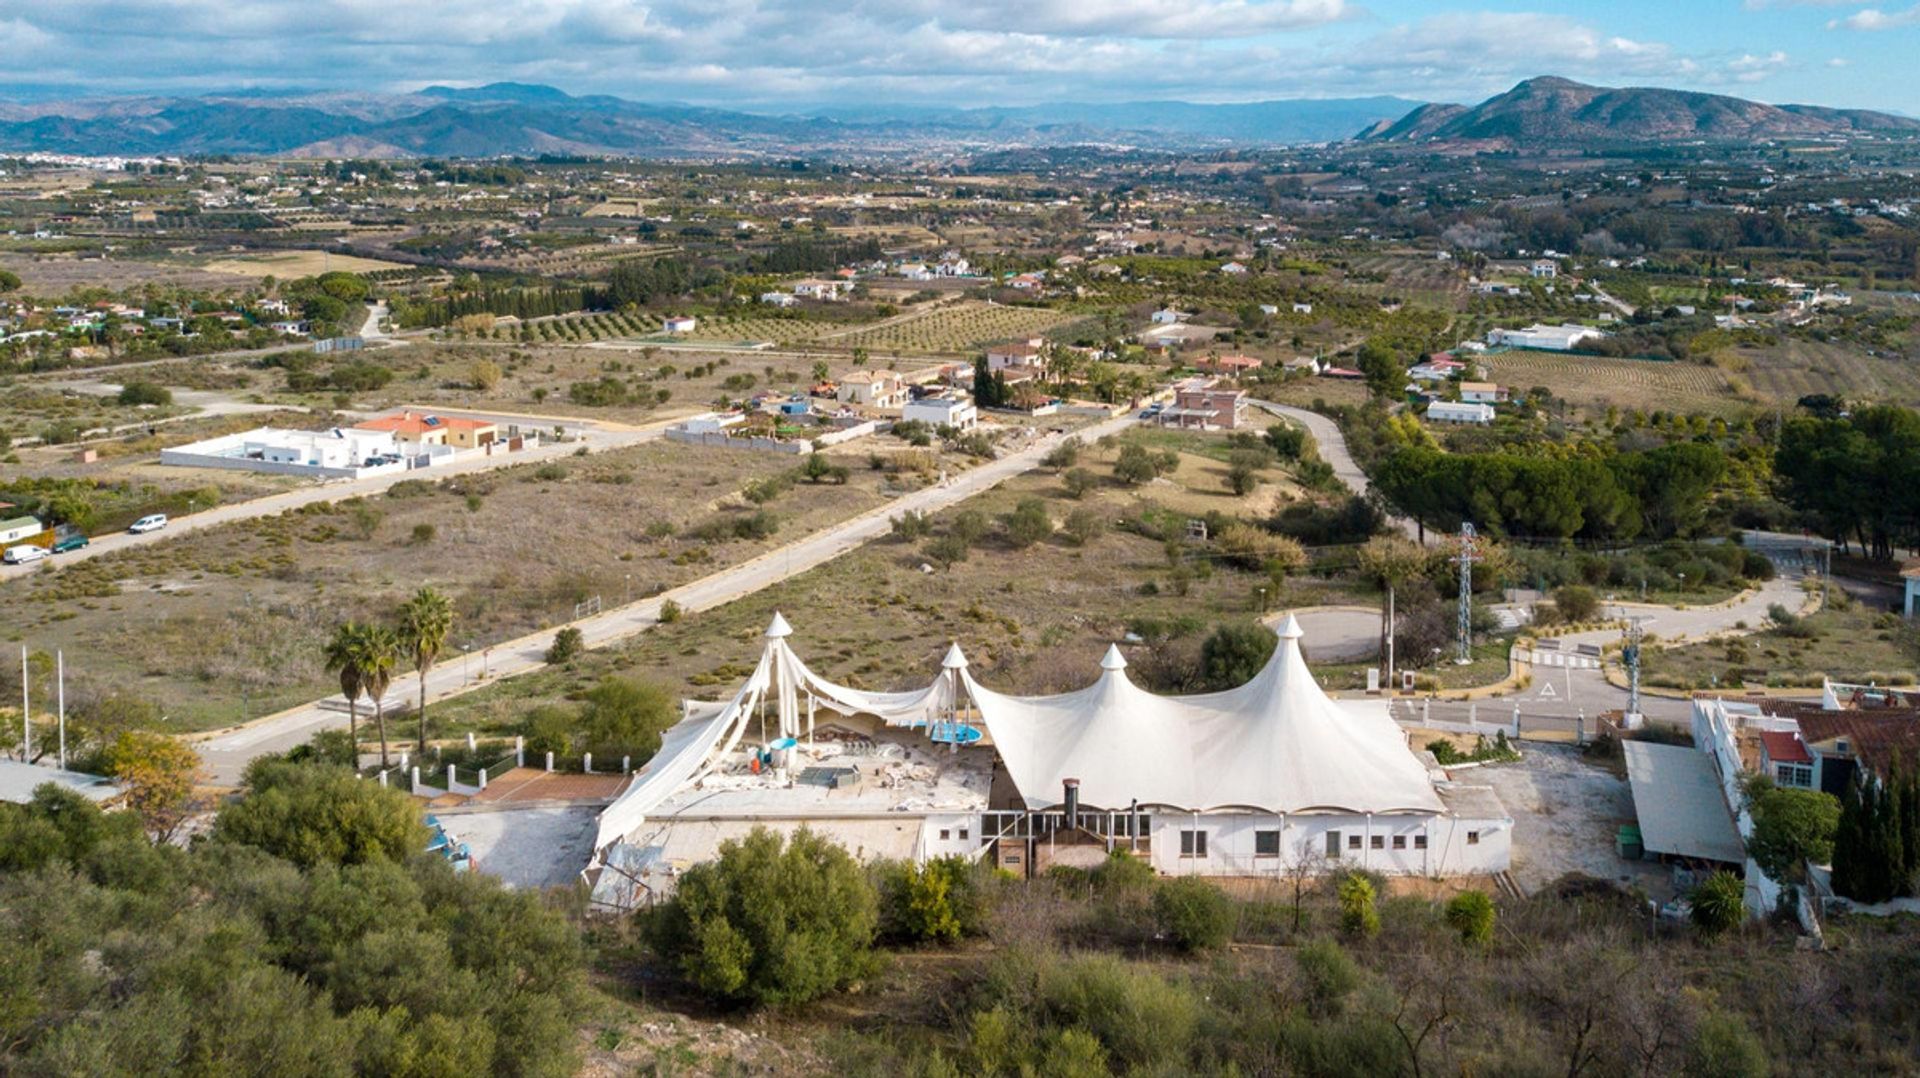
1248 781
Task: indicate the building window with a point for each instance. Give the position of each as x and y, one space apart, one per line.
1419 842
1193 843
1266 843
1333 844
1793 775
944 834
1012 859
1379 842
1473 838
1399 842
963 834
1353 842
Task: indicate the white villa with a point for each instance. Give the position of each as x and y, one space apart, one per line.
1547 338
1269 777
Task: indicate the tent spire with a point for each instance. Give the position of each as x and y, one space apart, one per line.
954 660
778 628
1290 629
1113 660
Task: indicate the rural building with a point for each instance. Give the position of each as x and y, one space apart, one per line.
414 430
14 529
1269 776
1482 393
1303 308
1559 338
1202 404
680 324
1234 269
1027 354
1459 412
711 422
816 288
874 389
1167 316
779 299
1231 365
942 412
1544 270
337 453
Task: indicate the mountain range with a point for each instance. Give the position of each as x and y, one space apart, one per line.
1547 112
516 118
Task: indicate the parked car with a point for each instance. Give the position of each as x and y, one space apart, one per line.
151 523
22 554
69 541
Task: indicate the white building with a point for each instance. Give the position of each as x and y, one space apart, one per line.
684 323
817 288
336 453
942 412
1259 780
1459 412
779 299
1544 270
1167 316
1559 338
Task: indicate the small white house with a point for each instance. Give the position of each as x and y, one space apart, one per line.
1546 338
1234 269
17 528
817 288
1303 308
1481 393
1459 412
1544 270
711 422
779 299
680 324
942 412
1167 316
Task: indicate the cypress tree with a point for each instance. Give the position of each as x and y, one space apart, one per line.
1848 841
983 383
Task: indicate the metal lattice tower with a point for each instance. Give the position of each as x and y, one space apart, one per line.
1631 656
1468 554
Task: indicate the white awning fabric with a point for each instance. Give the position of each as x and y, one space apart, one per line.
1275 744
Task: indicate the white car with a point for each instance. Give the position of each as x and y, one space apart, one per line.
151 523
22 554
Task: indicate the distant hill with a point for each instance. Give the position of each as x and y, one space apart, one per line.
1552 112
517 118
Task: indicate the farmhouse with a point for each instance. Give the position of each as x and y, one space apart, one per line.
1459 412
1203 404
680 324
942 412
874 389
1544 337
1232 365
1026 355
413 430
337 453
779 299
1482 393
1254 781
1167 316
816 288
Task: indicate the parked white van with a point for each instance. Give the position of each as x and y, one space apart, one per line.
151 523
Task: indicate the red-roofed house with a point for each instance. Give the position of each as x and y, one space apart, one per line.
1235 365
1785 759
422 429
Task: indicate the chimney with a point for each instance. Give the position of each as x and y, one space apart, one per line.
1072 802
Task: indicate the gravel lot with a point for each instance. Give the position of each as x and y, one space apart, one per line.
1565 814
528 848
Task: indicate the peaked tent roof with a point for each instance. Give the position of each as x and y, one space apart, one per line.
1275 744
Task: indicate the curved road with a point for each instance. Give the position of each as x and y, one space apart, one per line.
1333 450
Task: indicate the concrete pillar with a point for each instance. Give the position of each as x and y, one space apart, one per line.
1580 727
519 752
483 778
549 763
626 765
471 746
416 780
586 762
383 778
1516 718
451 775
1426 710
1473 717
404 760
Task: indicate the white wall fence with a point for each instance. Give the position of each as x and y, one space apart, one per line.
721 440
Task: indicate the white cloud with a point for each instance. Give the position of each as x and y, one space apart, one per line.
1873 19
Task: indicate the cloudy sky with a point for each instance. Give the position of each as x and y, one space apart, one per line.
764 53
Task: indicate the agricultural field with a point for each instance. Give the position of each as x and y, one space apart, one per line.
1413 278
287 265
1795 368
233 617
52 276
956 328
1035 621
1592 383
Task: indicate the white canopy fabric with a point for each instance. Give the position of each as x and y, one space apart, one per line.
1276 744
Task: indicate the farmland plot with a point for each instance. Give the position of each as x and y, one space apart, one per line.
1595 382
956 329
1795 368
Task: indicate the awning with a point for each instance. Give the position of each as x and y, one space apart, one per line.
1676 794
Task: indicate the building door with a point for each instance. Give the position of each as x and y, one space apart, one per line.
1333 844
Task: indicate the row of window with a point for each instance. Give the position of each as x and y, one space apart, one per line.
945 834
1267 843
1793 775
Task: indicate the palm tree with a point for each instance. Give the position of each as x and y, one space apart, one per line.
425 621
342 654
377 653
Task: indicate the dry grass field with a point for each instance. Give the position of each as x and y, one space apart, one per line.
1795 368
52 276
1593 383
234 616
955 328
287 265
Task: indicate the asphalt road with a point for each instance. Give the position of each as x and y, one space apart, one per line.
227 754
1333 450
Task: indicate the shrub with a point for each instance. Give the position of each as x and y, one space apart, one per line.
1719 903
1359 916
1723 1047
1470 913
322 815
911 525
1028 523
1064 455
484 375
1330 974
939 901
423 533
1576 602
1079 481
946 550
136 393
1084 525
1145 1021
1122 873
1193 913
1136 465
671 612
772 920
568 643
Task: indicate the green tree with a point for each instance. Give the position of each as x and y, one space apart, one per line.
426 619
1078 482
1084 525
158 774
322 815
343 655
1790 828
1232 654
1719 903
567 645
771 920
139 393
1358 914
378 657
1193 913
1471 914
622 717
1575 602
1135 465
1385 372
1028 523
1724 1047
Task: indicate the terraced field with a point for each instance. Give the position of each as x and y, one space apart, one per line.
958 328
1415 278
1794 369
1593 383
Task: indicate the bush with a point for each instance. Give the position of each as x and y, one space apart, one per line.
1359 916
946 550
1329 972
1084 525
1145 1021
771 921
622 717
1079 481
1064 455
1193 914
137 393
1122 873
423 533
1723 1047
322 815
1719 903
670 612
939 901
1470 913
1028 523
1576 602
568 643
912 525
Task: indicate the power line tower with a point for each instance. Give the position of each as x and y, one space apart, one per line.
1469 553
